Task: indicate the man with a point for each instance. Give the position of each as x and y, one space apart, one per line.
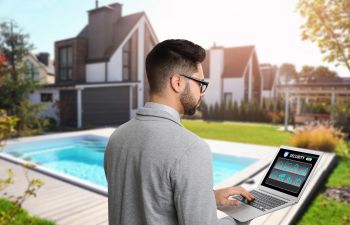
158 172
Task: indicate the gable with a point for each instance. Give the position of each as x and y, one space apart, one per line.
236 60
268 75
120 31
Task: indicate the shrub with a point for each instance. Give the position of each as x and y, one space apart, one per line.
318 137
341 116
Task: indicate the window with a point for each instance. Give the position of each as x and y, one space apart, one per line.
46 97
65 63
126 61
227 98
134 97
32 70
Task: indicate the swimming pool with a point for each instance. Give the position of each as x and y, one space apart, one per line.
82 157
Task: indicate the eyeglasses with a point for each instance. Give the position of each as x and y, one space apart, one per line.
202 83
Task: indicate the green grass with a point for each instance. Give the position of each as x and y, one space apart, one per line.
253 133
325 211
340 176
22 217
322 210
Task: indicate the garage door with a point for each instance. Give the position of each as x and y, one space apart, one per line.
105 106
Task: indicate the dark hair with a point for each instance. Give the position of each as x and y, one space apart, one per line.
169 56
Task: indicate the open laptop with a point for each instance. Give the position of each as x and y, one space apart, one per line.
282 186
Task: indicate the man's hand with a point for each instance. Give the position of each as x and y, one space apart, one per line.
221 196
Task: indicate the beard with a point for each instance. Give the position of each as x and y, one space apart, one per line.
189 102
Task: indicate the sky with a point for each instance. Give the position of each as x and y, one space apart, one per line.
273 26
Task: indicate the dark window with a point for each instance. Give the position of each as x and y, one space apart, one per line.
227 98
65 63
46 97
126 60
32 70
134 97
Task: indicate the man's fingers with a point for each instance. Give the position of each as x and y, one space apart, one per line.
234 202
230 202
247 195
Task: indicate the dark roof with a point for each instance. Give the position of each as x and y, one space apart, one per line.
236 60
122 28
268 75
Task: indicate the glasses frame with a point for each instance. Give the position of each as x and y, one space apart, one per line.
202 83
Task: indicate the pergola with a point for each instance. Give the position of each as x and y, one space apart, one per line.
328 92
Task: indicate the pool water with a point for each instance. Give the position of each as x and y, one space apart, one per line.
82 157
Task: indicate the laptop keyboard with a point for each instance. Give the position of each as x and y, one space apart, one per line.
262 201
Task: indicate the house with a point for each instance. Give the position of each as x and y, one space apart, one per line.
100 74
233 75
270 80
41 69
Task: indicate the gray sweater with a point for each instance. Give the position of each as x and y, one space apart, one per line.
158 172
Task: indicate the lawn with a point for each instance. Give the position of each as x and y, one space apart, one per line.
322 210
253 133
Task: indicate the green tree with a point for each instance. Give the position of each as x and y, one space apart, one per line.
15 85
310 74
327 24
287 72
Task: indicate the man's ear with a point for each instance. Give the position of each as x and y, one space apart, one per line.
175 83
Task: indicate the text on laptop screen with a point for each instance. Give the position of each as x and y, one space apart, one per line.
289 171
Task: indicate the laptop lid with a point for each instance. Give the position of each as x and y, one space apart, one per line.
290 171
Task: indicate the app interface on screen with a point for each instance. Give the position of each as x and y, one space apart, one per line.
290 171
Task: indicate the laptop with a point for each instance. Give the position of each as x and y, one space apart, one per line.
282 186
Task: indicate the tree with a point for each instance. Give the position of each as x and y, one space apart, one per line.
327 24
310 74
287 73
15 85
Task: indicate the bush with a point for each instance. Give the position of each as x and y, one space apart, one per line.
318 137
315 107
341 116
22 217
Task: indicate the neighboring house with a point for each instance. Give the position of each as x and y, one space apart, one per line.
233 75
41 68
270 80
100 74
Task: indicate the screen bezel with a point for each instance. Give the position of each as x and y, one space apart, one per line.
280 154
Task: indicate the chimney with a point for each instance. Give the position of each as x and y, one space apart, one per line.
117 10
96 4
43 57
101 29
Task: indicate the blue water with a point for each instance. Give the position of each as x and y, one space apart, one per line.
82 157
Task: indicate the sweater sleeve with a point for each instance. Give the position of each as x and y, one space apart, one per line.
192 183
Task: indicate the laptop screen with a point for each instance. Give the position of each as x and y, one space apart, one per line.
289 171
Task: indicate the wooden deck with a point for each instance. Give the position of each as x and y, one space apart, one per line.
59 201
65 203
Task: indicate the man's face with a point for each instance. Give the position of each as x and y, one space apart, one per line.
191 97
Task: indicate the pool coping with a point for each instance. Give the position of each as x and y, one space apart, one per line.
263 158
